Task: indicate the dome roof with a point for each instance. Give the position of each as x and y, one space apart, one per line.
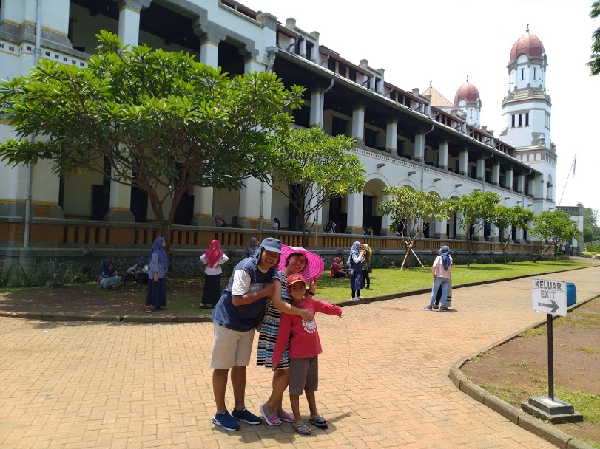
530 45
466 92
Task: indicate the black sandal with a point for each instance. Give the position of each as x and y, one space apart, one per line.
319 422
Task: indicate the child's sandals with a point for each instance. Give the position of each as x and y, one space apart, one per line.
302 428
319 422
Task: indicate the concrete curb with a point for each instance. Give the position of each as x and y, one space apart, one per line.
528 422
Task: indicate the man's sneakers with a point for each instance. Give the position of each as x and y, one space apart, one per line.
226 421
229 422
245 416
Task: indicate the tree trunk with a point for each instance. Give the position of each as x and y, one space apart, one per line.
165 227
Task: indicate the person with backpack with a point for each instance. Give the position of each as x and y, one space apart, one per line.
442 272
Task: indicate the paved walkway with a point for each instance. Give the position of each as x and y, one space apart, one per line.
383 379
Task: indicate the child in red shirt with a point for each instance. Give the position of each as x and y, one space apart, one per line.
305 346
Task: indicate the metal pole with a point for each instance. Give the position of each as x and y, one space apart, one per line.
261 216
29 187
550 357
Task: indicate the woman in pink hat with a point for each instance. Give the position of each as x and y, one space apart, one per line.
310 266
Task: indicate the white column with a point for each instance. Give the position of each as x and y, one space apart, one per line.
316 109
129 31
119 203
519 235
460 232
443 156
249 207
13 182
251 66
391 136
358 124
203 196
440 230
494 233
419 146
303 48
209 53
506 235
521 185
463 162
496 174
249 210
508 179
203 205
44 191
267 204
479 231
481 169
129 20
355 214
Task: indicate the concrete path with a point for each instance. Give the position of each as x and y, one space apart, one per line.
383 379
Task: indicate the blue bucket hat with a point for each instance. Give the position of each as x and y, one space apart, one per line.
271 244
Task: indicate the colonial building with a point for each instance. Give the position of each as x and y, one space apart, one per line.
402 137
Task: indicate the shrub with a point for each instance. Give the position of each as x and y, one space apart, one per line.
6 273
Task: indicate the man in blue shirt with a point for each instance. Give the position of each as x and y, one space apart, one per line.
235 317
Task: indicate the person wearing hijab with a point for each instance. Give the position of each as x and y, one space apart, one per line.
109 277
442 271
355 260
336 269
251 247
213 258
157 270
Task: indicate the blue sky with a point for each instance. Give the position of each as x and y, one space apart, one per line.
444 42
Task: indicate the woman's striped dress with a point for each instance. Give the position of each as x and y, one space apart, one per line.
269 329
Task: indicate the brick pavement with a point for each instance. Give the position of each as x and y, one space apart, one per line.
383 379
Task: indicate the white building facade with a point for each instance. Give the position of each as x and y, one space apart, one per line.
401 138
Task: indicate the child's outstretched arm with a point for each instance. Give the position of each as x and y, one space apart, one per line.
326 308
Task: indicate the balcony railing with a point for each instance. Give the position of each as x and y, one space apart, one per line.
81 233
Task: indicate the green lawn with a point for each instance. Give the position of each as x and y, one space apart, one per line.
183 295
386 281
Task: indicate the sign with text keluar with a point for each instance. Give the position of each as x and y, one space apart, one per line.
549 296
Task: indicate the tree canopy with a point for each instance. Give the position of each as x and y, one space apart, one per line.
474 210
594 63
314 168
553 227
506 218
411 209
164 121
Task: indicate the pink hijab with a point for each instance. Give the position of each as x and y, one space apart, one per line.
214 253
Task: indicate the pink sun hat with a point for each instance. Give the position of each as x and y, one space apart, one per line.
314 266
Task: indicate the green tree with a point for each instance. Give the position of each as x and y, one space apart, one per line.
594 63
506 218
410 209
553 227
313 168
164 121
591 231
474 210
